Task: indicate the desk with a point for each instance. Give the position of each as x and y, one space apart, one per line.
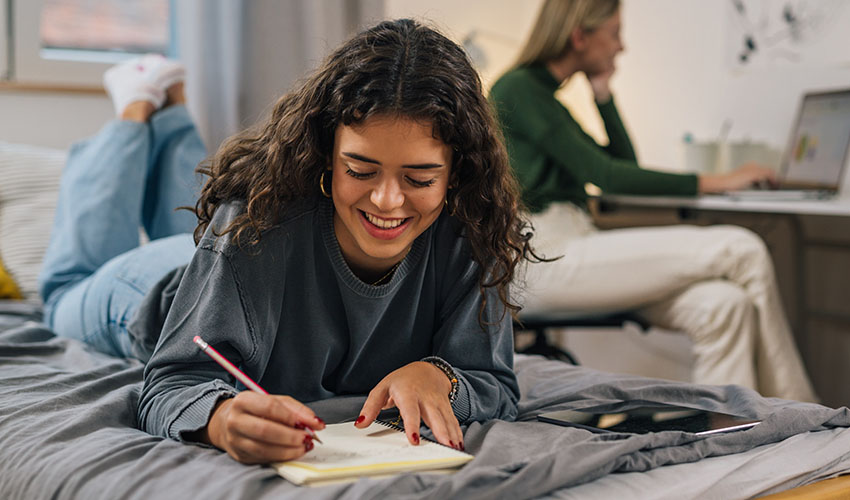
810 245
835 207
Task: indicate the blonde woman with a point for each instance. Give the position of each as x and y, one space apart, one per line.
717 284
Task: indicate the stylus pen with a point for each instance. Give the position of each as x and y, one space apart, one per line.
236 372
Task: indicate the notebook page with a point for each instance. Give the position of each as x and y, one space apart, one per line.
349 452
347 447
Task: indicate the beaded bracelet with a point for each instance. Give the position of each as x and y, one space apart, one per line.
448 370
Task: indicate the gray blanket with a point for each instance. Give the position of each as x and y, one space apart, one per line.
68 430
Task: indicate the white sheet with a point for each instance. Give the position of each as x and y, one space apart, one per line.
760 471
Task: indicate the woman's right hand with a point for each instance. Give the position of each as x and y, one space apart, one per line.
261 428
743 177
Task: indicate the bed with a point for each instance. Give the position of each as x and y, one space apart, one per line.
68 416
68 430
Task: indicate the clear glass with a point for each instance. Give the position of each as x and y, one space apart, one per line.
122 26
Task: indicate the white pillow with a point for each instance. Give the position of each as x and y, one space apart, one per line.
29 187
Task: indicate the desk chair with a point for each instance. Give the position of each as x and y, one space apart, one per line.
539 322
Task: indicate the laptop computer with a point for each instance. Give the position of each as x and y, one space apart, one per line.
817 152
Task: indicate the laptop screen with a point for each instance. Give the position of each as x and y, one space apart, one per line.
818 146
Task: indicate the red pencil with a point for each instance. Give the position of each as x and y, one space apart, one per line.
236 372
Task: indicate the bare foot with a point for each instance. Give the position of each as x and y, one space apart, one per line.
138 111
175 94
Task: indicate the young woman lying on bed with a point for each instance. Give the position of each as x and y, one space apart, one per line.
360 240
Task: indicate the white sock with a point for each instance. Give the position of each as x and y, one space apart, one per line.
164 72
128 82
141 79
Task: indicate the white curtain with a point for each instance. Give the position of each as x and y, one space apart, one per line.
240 55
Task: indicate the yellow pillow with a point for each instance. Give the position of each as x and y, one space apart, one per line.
8 288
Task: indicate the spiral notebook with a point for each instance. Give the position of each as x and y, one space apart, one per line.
379 450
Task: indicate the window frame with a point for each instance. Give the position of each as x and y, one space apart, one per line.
4 40
32 64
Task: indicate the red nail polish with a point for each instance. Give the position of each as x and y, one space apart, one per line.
321 422
309 445
307 439
452 444
300 426
462 448
416 438
359 420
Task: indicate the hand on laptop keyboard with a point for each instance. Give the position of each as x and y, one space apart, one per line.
763 184
742 177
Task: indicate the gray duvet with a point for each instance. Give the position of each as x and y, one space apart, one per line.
68 430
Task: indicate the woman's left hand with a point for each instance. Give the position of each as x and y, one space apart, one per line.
420 391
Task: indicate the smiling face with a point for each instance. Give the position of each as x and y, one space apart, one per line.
390 177
601 45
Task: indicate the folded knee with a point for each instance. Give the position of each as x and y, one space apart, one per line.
731 301
742 240
715 308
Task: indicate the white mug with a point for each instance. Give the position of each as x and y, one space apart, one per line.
701 157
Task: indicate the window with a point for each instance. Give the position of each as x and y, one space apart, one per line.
105 25
4 45
75 41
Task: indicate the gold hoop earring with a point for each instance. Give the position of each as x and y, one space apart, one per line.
322 185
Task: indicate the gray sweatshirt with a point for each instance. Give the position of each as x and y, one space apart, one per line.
291 314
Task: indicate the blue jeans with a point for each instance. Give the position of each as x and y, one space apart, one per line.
129 176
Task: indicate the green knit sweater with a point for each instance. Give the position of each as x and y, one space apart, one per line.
554 158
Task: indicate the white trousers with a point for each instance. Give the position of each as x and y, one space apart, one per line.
716 284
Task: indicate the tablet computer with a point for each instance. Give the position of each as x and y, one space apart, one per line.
644 420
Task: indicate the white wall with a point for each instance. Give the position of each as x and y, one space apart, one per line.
672 78
51 119
501 25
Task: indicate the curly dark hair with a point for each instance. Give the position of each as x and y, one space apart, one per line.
397 68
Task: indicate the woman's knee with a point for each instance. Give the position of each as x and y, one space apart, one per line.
709 310
92 311
729 300
739 255
741 239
